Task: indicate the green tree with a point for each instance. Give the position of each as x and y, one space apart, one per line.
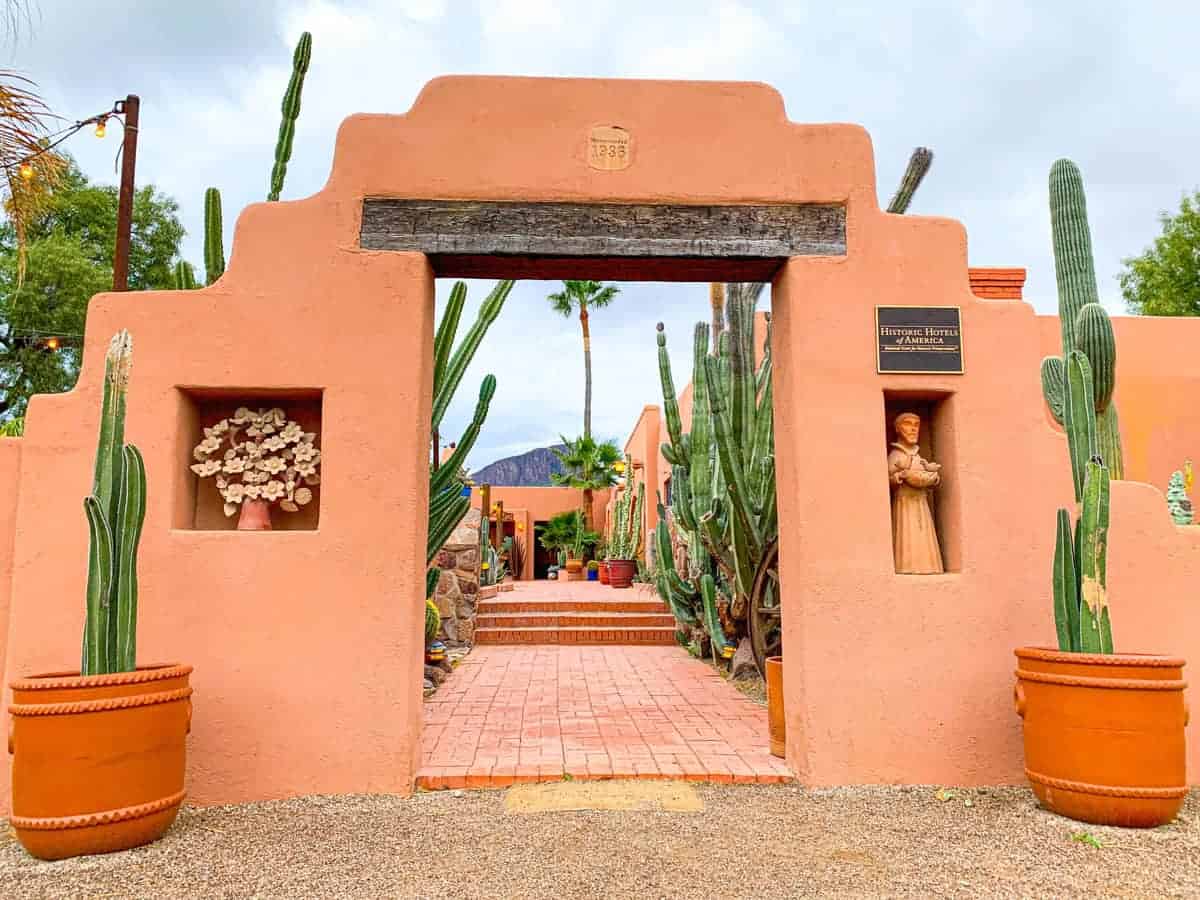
1165 279
69 247
582 296
588 467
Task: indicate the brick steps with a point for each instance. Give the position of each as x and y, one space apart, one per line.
490 607
575 635
599 619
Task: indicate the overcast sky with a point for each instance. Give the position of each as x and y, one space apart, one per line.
998 90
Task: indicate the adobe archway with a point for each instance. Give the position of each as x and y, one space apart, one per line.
306 644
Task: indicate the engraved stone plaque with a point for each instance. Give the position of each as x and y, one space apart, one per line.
609 148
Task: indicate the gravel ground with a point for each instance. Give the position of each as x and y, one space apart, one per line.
750 841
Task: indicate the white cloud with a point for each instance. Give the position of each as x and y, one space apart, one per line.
997 90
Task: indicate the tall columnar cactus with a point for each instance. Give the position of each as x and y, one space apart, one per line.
184 276
447 505
214 241
1080 578
722 477
1084 323
626 534
291 110
115 511
914 174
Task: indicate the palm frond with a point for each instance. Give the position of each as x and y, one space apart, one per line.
23 134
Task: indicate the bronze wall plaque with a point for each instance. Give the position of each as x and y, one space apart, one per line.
609 148
914 339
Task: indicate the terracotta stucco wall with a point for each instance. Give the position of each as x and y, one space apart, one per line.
10 473
643 445
530 505
307 644
1158 391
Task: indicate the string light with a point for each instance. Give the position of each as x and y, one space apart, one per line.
52 343
25 167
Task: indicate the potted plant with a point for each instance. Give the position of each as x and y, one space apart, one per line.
99 753
626 536
566 534
1104 732
593 570
259 459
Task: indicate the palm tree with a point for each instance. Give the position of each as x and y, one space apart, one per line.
584 295
30 170
587 466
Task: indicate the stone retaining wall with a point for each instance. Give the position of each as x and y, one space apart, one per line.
458 589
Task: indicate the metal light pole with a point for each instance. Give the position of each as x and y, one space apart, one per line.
129 108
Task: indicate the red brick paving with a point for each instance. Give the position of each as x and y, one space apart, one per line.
534 713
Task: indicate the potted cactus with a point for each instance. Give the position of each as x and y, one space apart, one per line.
1103 732
99 753
626 535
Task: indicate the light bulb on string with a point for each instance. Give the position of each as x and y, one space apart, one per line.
101 128
52 343
26 170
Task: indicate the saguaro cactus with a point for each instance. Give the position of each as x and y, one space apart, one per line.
291 110
1084 323
214 241
115 511
1080 579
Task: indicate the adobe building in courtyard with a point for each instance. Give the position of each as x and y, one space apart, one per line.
307 640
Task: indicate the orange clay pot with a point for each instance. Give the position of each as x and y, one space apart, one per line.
775 721
604 572
575 570
98 761
1104 734
621 572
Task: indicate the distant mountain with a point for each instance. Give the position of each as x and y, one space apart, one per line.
530 469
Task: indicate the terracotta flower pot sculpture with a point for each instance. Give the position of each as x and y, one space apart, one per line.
259 459
98 755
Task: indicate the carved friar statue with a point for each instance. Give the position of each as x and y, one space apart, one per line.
914 538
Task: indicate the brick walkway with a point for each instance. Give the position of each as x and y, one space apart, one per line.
535 713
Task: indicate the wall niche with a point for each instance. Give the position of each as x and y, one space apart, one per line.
198 504
937 442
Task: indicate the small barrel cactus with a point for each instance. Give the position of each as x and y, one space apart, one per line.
433 621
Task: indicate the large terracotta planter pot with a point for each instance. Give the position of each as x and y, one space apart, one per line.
776 723
575 570
98 761
621 572
1104 734
604 572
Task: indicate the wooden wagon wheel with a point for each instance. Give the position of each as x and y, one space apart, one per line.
763 618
